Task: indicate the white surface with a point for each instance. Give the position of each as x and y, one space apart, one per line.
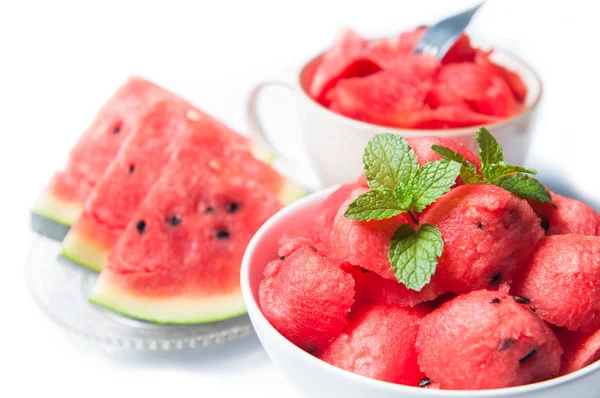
60 60
317 379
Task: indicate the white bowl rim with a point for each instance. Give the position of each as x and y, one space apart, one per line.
257 316
405 132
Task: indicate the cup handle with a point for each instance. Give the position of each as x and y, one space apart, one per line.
258 133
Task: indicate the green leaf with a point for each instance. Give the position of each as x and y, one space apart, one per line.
414 254
389 160
404 196
468 172
526 187
489 150
432 181
491 172
374 205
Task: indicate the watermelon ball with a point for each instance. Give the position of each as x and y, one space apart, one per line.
562 281
364 243
569 217
306 297
379 342
488 233
485 339
581 349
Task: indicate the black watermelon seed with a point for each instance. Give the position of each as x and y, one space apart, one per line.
480 225
116 130
209 209
233 207
141 226
506 344
496 279
496 301
174 221
528 356
545 224
131 168
222 234
425 382
533 309
282 258
521 300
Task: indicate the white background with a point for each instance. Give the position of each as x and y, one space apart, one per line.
60 60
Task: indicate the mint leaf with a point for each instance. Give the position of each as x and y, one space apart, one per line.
389 160
374 205
432 181
491 172
468 172
404 196
414 254
526 187
489 150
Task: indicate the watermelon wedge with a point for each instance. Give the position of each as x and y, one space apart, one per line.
178 259
61 202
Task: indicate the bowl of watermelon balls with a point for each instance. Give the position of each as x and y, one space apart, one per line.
358 88
438 273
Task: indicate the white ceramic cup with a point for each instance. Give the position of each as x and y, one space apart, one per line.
335 143
317 379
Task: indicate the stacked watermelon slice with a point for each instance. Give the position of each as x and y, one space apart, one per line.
169 210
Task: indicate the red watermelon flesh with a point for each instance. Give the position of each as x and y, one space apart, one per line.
422 147
489 235
344 59
307 298
64 197
580 349
379 342
372 288
388 98
562 281
485 340
516 84
179 258
364 243
569 217
446 117
474 85
385 52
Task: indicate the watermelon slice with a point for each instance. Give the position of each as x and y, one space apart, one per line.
343 60
178 260
61 202
130 176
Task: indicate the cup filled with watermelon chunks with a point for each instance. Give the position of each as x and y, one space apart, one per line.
358 88
438 269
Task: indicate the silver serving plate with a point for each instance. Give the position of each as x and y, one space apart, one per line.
61 289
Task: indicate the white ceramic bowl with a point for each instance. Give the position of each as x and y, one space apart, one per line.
335 143
317 379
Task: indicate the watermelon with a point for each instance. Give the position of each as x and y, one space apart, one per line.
483 340
580 349
62 201
344 59
562 281
179 257
489 236
132 173
569 217
363 243
306 297
379 342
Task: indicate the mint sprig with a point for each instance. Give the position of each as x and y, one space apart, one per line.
495 171
399 186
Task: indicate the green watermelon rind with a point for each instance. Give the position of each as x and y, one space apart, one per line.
56 210
125 303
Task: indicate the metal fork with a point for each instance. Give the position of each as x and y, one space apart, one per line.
440 38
